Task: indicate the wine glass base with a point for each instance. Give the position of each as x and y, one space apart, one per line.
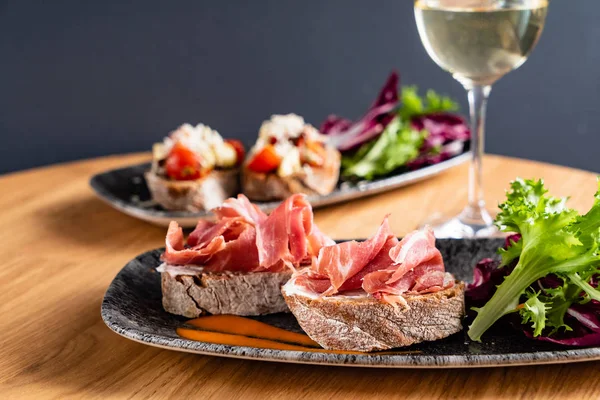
470 223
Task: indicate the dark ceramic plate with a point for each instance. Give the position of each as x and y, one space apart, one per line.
132 308
125 189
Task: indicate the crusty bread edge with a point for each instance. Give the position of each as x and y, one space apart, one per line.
197 195
253 293
366 324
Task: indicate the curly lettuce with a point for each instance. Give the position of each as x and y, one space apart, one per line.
556 266
397 145
420 133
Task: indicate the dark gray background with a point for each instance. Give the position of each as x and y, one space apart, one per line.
87 78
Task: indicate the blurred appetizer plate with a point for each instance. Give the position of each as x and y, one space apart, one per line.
125 189
132 308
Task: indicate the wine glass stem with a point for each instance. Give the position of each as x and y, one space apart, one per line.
478 95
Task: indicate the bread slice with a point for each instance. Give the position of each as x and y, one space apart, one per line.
312 181
198 195
363 323
253 293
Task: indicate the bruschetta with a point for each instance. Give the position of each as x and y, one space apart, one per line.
238 263
194 169
289 157
378 294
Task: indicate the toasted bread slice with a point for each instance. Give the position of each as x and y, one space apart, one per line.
253 293
198 195
363 323
312 181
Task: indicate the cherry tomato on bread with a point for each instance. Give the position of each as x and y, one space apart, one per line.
183 164
265 160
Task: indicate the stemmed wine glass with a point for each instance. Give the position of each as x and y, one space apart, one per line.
478 42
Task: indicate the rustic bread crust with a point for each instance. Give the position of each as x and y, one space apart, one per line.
366 324
317 181
202 194
254 293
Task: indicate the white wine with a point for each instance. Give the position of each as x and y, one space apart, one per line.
480 45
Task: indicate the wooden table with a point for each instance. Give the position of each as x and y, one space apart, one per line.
60 247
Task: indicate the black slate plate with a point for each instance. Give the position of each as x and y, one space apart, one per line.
125 189
132 308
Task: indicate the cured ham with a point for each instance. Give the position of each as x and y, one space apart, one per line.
289 235
343 261
381 266
243 238
381 261
176 253
240 207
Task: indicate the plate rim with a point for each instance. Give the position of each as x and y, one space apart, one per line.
420 361
446 365
362 189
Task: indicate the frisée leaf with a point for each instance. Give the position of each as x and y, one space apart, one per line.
555 242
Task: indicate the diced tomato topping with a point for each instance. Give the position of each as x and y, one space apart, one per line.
240 152
183 164
265 161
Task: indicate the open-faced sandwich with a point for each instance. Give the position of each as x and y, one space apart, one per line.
237 264
289 157
194 169
378 294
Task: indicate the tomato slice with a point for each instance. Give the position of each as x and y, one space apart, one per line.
265 161
240 152
183 164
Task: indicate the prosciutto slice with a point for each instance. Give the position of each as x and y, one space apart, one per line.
243 238
205 231
414 249
381 266
345 260
176 253
380 262
240 207
289 234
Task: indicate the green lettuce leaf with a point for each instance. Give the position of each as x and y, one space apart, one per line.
534 311
554 240
414 105
397 145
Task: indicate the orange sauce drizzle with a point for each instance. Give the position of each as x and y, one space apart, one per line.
251 328
233 330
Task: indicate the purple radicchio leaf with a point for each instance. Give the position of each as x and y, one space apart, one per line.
583 320
345 135
447 136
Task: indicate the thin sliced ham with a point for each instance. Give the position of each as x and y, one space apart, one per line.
242 234
240 207
289 234
317 239
343 261
205 231
381 266
380 262
176 253
238 255
414 249
312 284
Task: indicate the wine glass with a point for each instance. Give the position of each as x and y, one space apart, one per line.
478 42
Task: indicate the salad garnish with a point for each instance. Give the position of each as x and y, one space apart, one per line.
549 270
404 130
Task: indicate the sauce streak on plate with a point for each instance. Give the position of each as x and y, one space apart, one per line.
233 330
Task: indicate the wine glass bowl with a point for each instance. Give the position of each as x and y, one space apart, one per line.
478 42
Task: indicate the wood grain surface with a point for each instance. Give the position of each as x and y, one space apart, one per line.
60 248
